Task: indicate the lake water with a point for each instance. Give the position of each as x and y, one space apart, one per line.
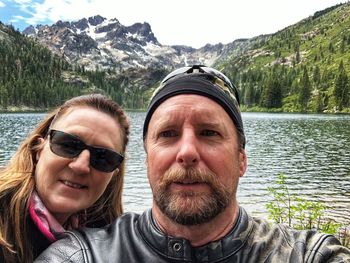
313 151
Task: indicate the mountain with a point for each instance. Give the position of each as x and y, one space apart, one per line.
32 77
100 43
301 68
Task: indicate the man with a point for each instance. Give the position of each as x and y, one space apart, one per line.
194 139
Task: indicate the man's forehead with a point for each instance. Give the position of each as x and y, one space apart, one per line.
188 102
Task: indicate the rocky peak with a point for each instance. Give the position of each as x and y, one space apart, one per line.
144 30
110 27
118 34
210 47
141 28
29 30
82 24
61 24
96 20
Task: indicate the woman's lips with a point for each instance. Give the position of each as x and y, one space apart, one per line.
73 185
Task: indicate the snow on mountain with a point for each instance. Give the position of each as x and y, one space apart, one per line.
100 43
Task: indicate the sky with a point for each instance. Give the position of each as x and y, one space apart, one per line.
193 23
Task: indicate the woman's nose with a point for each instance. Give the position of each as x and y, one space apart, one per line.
81 163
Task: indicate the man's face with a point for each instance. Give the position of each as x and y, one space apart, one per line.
194 159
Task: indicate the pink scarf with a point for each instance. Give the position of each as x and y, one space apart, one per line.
45 221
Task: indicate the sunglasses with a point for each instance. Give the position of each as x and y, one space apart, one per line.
203 69
70 146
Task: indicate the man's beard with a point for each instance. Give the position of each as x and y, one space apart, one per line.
188 207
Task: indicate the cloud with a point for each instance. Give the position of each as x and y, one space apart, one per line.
128 12
2 4
16 19
24 5
52 11
22 2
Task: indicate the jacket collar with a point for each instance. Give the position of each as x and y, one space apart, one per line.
181 249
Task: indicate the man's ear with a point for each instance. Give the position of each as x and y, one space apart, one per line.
41 142
145 144
146 160
242 162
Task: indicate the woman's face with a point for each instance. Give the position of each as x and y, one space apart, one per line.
69 185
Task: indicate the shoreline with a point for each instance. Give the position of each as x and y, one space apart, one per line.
243 109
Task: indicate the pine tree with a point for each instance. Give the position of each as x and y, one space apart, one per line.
272 93
341 89
316 75
305 90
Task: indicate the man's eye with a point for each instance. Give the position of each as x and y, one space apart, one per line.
170 133
209 133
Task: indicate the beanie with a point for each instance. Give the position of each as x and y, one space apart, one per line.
199 80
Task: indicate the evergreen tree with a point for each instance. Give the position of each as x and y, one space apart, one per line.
316 75
341 89
272 93
305 90
297 54
342 45
249 95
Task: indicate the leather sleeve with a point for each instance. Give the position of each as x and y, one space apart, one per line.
68 249
328 249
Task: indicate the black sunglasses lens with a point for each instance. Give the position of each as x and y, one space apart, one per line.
105 160
65 145
69 146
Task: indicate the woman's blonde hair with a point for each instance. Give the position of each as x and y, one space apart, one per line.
17 181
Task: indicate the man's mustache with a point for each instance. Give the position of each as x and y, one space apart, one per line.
190 175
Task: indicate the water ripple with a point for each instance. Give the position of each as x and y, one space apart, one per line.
313 151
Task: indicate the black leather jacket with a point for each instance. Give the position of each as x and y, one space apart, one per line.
136 238
36 241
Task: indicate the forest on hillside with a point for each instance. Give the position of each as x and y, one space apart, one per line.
33 78
303 68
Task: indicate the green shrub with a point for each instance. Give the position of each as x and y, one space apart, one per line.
299 213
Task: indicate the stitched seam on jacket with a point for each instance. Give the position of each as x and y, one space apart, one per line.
83 248
316 247
283 231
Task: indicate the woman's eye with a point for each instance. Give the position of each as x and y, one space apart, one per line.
169 133
209 133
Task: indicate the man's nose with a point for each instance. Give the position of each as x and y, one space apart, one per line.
188 154
81 163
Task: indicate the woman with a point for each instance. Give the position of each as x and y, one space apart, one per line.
66 174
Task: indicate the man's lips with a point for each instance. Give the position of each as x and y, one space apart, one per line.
73 185
189 183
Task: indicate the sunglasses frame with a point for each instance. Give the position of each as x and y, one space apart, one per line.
81 146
